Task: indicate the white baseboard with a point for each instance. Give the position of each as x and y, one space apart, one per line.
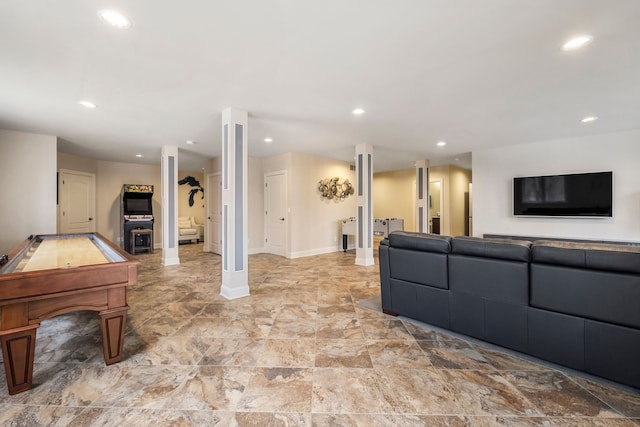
311 252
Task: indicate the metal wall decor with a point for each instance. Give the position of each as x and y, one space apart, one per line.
332 188
192 183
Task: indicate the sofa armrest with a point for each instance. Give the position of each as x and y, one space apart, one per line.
385 274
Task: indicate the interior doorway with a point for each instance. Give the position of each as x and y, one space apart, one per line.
77 202
436 207
276 215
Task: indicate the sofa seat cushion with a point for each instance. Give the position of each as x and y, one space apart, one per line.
507 249
188 231
593 256
420 241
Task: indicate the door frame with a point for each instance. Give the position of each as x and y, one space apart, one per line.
287 211
61 197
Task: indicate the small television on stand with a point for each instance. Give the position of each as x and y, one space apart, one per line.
580 195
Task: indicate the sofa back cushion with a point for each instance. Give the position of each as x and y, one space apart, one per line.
419 258
490 278
420 241
593 256
423 268
507 249
496 269
184 222
594 294
591 280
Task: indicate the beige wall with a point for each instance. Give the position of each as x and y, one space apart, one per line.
29 185
455 182
494 169
111 177
277 163
315 225
281 162
459 185
394 196
255 194
77 163
197 210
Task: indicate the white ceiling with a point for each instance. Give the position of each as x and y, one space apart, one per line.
473 73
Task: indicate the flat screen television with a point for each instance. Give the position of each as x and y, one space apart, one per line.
571 195
137 206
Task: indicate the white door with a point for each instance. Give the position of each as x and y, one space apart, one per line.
214 213
77 202
275 210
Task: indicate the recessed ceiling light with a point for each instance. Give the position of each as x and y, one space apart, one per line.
87 104
190 142
268 140
589 119
139 155
358 111
115 19
441 144
577 42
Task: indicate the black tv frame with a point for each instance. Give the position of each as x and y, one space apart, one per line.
567 208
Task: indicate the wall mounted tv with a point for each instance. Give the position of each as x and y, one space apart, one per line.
571 195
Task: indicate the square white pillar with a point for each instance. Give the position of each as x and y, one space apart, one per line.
169 185
422 196
364 205
235 260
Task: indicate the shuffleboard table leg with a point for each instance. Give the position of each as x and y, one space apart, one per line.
18 350
113 322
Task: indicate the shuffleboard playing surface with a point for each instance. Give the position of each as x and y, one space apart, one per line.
65 253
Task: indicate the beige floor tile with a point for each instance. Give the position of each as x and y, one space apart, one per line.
339 328
397 354
341 353
233 352
310 346
298 353
289 329
556 395
278 390
385 329
453 355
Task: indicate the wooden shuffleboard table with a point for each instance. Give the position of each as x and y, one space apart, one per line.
49 275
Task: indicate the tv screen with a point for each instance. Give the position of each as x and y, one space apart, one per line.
137 206
571 195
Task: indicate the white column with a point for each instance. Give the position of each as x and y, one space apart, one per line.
364 203
235 271
169 185
422 196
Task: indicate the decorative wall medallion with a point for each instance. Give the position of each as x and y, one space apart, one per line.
332 188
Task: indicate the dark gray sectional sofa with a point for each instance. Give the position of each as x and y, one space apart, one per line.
572 303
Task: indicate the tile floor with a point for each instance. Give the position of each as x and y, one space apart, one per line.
309 347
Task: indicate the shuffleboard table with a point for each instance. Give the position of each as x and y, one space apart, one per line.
49 275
